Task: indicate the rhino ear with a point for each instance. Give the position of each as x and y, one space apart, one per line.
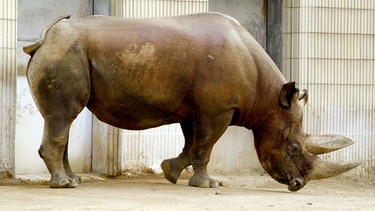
287 93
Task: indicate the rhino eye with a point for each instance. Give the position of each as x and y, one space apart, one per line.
292 149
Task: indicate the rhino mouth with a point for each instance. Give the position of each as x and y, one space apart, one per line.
295 183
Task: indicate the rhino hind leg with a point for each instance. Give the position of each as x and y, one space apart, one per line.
55 138
69 172
61 89
54 152
54 147
172 168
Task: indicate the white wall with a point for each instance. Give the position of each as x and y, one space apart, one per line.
235 152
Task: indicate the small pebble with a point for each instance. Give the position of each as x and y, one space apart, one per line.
218 193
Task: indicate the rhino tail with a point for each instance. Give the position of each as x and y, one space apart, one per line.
30 49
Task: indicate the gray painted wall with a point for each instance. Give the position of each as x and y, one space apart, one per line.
34 16
274 31
250 13
101 7
262 18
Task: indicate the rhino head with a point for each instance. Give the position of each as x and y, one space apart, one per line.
287 153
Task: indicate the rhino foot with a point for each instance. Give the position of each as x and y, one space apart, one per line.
59 180
75 177
203 181
171 170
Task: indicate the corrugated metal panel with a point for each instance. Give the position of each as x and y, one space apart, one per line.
8 45
148 148
329 49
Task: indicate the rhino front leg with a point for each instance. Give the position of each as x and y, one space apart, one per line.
54 144
200 160
172 168
206 134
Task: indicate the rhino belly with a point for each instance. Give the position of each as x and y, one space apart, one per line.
130 115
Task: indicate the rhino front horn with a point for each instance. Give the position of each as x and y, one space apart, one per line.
323 169
324 143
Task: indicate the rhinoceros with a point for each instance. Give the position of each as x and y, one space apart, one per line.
203 71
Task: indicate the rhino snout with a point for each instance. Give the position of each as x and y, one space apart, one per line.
295 184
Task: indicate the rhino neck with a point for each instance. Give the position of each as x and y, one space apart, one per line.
258 114
264 98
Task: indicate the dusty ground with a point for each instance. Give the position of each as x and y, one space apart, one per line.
152 192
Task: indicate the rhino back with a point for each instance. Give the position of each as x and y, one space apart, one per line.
146 73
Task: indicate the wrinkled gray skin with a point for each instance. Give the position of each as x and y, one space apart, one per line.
204 71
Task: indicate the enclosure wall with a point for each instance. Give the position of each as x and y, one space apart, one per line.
8 73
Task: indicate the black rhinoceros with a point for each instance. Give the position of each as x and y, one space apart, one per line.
204 71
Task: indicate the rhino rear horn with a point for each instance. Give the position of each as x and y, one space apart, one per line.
324 143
